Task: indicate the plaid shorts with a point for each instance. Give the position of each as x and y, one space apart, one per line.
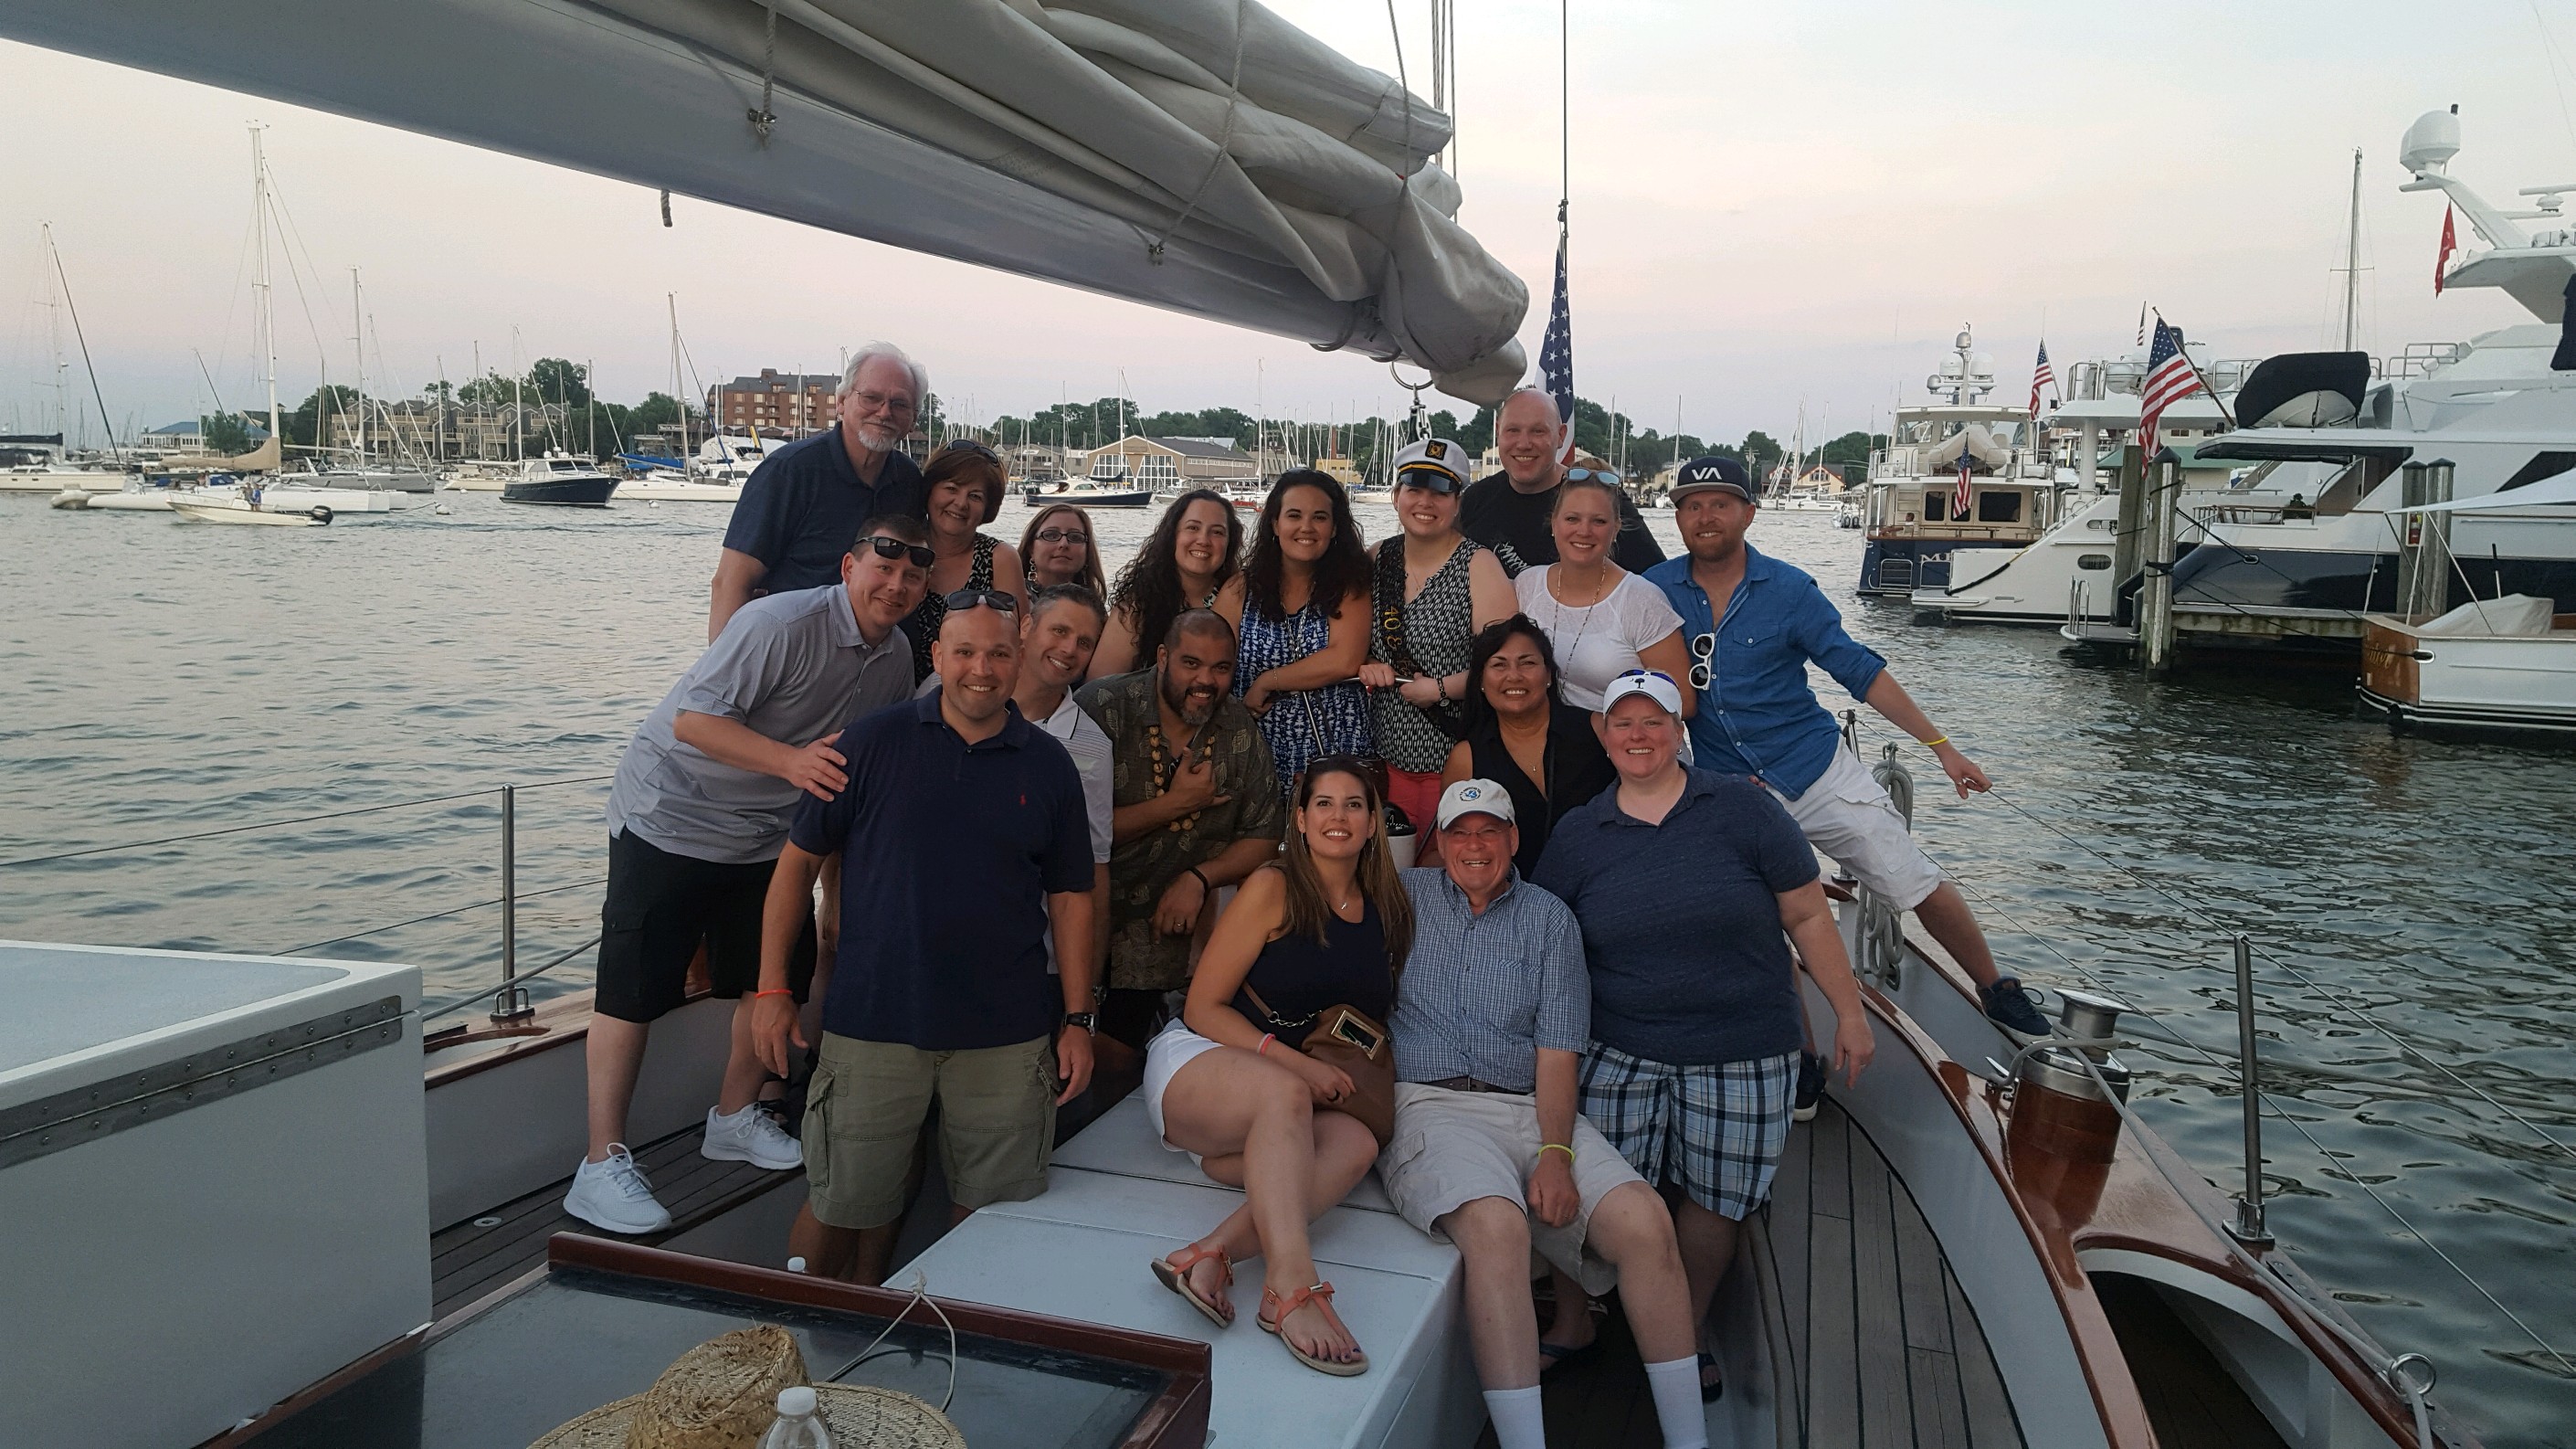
1715 1130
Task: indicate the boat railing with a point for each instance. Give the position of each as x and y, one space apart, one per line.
2410 1375
511 1002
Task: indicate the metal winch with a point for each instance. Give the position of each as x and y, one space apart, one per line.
2084 1017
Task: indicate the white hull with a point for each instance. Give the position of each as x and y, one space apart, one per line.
658 490
2514 683
270 515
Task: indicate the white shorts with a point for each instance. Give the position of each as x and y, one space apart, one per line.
1453 1147
1172 1048
1847 815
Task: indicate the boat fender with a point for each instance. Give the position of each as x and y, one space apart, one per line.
321 513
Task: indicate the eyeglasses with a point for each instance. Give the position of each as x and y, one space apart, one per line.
1063 535
893 404
964 599
1703 647
896 548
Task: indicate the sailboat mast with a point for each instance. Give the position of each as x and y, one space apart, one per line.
358 339
266 311
54 330
2352 259
679 394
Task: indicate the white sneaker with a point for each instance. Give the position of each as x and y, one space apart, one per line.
751 1135
612 1193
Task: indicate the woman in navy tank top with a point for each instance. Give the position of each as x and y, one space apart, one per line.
1327 926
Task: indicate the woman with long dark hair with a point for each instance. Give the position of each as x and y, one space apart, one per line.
1058 548
1522 735
965 484
1326 927
1305 624
1193 560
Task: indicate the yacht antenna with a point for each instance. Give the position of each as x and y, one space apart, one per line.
2352 258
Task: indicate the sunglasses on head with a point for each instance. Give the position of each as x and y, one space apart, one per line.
897 548
1063 535
969 445
965 599
1598 475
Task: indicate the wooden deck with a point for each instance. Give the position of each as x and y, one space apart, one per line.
1873 1334
484 1253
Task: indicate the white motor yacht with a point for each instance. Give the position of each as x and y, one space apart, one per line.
2495 411
1916 531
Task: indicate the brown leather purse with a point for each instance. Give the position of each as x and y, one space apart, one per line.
1357 1044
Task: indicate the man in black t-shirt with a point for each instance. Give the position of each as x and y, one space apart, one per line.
1508 512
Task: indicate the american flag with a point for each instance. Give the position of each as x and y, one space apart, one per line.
2170 379
1959 498
1556 354
2040 377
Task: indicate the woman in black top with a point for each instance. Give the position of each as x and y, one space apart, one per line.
965 486
1523 736
1327 926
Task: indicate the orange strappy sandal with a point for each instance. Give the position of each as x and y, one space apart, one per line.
1174 1271
1269 1321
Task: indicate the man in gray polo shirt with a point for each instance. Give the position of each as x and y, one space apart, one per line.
703 798
1491 1017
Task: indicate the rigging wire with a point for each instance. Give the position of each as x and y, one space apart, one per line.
437 916
278 824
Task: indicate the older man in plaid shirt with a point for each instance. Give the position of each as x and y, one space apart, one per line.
1491 1018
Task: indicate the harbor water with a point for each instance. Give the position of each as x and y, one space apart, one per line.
2409 900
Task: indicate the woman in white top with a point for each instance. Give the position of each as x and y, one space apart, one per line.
1602 619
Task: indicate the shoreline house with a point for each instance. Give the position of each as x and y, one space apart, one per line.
1172 463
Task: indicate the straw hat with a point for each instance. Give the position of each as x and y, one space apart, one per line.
723 1394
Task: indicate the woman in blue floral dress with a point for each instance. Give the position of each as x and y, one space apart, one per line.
1306 625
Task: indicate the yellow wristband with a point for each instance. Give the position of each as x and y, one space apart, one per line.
1927 744
1547 1147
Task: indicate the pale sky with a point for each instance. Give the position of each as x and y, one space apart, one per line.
1772 206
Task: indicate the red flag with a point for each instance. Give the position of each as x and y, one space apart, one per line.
2450 244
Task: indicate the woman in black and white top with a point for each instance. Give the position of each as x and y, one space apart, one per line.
1602 619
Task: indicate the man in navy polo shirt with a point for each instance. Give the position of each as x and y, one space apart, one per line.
1753 625
964 842
805 502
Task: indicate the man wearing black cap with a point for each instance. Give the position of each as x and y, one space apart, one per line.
1508 512
1753 625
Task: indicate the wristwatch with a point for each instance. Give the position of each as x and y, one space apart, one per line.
1088 1020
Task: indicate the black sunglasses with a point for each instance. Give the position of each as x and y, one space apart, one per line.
1431 478
964 599
969 445
897 548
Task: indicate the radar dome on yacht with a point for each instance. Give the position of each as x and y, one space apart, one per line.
1965 341
2431 142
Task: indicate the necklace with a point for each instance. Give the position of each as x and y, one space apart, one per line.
1601 587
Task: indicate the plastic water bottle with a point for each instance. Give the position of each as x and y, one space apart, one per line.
798 1426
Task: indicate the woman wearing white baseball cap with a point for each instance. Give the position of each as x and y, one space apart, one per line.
1689 887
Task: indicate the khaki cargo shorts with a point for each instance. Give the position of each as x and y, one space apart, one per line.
1452 1148
868 1099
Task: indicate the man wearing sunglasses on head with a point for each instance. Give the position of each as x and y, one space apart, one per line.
805 501
1508 512
1753 624
698 814
964 851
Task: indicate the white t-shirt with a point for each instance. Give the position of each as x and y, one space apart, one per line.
1596 643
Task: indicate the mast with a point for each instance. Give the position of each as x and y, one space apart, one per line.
266 315
678 394
358 339
54 331
2352 258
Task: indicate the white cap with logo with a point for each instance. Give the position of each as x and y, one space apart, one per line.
1648 683
1474 797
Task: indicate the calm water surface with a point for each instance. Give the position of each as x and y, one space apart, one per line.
168 679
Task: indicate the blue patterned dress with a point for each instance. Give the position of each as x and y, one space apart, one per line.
1302 725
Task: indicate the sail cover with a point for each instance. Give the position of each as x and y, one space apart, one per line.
1199 155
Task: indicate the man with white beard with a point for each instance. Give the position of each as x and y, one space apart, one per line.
805 502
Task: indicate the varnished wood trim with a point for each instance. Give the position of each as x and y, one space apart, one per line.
1176 1419
558 1023
323 1388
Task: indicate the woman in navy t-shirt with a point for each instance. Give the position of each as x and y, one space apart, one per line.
1689 887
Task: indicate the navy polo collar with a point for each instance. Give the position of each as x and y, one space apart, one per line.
1697 785
1014 732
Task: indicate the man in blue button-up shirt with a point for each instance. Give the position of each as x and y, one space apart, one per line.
1753 625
